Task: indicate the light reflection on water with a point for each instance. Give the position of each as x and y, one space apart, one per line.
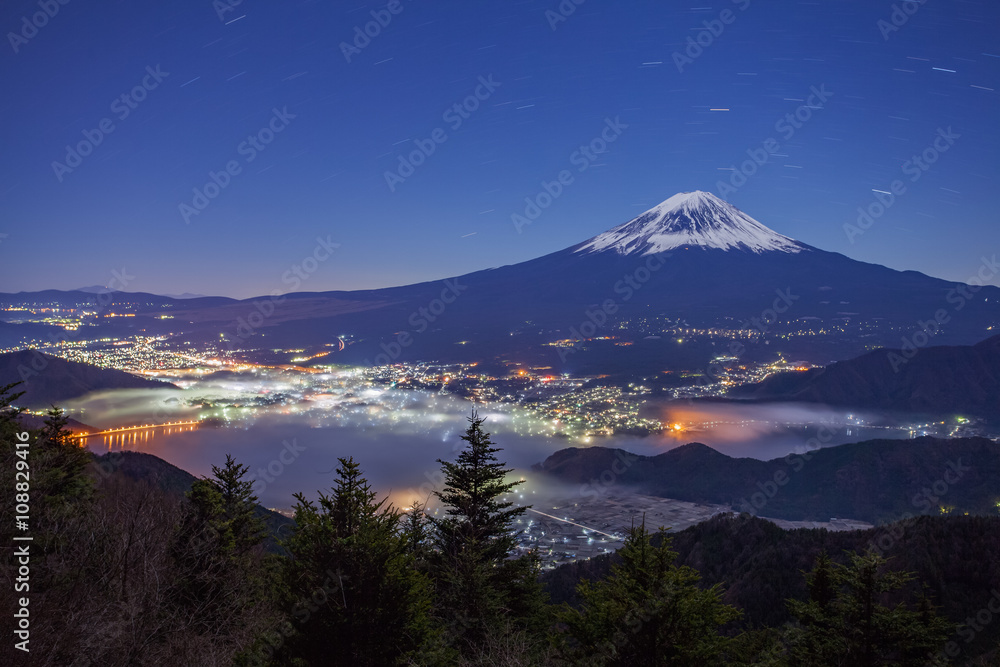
298 427
138 439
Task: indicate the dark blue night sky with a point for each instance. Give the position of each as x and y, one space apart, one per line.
200 79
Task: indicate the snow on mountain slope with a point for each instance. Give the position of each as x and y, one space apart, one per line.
690 219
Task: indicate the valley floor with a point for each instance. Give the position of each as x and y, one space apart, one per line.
568 529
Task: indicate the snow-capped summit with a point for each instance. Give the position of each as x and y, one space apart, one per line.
690 219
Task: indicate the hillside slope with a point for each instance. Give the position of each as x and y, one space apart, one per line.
958 379
761 566
49 380
874 481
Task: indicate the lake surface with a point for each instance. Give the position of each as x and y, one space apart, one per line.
398 435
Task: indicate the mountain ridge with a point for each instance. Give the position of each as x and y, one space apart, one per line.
522 310
873 481
936 379
48 380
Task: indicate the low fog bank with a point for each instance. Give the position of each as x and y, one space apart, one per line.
397 436
397 440
763 432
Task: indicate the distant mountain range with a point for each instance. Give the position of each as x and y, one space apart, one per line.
873 481
962 379
99 289
693 258
49 380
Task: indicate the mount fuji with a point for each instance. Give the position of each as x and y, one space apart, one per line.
693 260
672 283
691 219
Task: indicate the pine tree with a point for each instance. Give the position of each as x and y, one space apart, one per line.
62 486
216 550
821 581
474 486
62 464
54 431
416 533
479 585
354 595
848 621
817 641
649 612
9 413
239 505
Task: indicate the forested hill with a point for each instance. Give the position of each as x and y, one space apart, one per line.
935 380
761 565
146 469
873 481
48 380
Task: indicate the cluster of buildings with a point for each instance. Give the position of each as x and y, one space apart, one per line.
134 354
593 410
69 316
574 406
591 524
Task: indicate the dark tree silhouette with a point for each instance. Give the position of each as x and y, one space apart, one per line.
481 589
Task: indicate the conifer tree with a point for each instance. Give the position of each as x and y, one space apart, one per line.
9 413
62 486
239 505
354 597
480 586
61 463
416 532
820 581
649 612
816 616
848 621
54 431
216 549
